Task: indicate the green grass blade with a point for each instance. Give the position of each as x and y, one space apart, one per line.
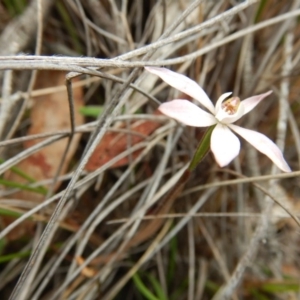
15 7
19 172
9 257
180 291
172 260
142 288
211 286
280 287
91 110
259 296
260 10
157 287
9 213
69 26
13 184
24 175
3 243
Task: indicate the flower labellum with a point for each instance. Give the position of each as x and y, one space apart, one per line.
224 143
231 105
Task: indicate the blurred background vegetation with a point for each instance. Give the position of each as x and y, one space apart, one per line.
113 240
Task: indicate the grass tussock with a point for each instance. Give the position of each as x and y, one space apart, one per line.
113 214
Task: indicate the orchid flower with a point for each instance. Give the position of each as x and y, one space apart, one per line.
224 143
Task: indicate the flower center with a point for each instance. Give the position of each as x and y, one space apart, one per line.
231 105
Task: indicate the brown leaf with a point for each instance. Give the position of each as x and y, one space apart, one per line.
114 143
49 113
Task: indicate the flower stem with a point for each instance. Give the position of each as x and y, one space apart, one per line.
202 149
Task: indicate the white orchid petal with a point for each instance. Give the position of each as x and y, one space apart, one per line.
183 84
263 144
187 113
224 145
218 106
251 102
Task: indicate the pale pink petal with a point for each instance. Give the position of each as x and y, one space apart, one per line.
187 113
264 145
183 84
251 102
224 145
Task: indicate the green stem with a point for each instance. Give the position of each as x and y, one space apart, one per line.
202 149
